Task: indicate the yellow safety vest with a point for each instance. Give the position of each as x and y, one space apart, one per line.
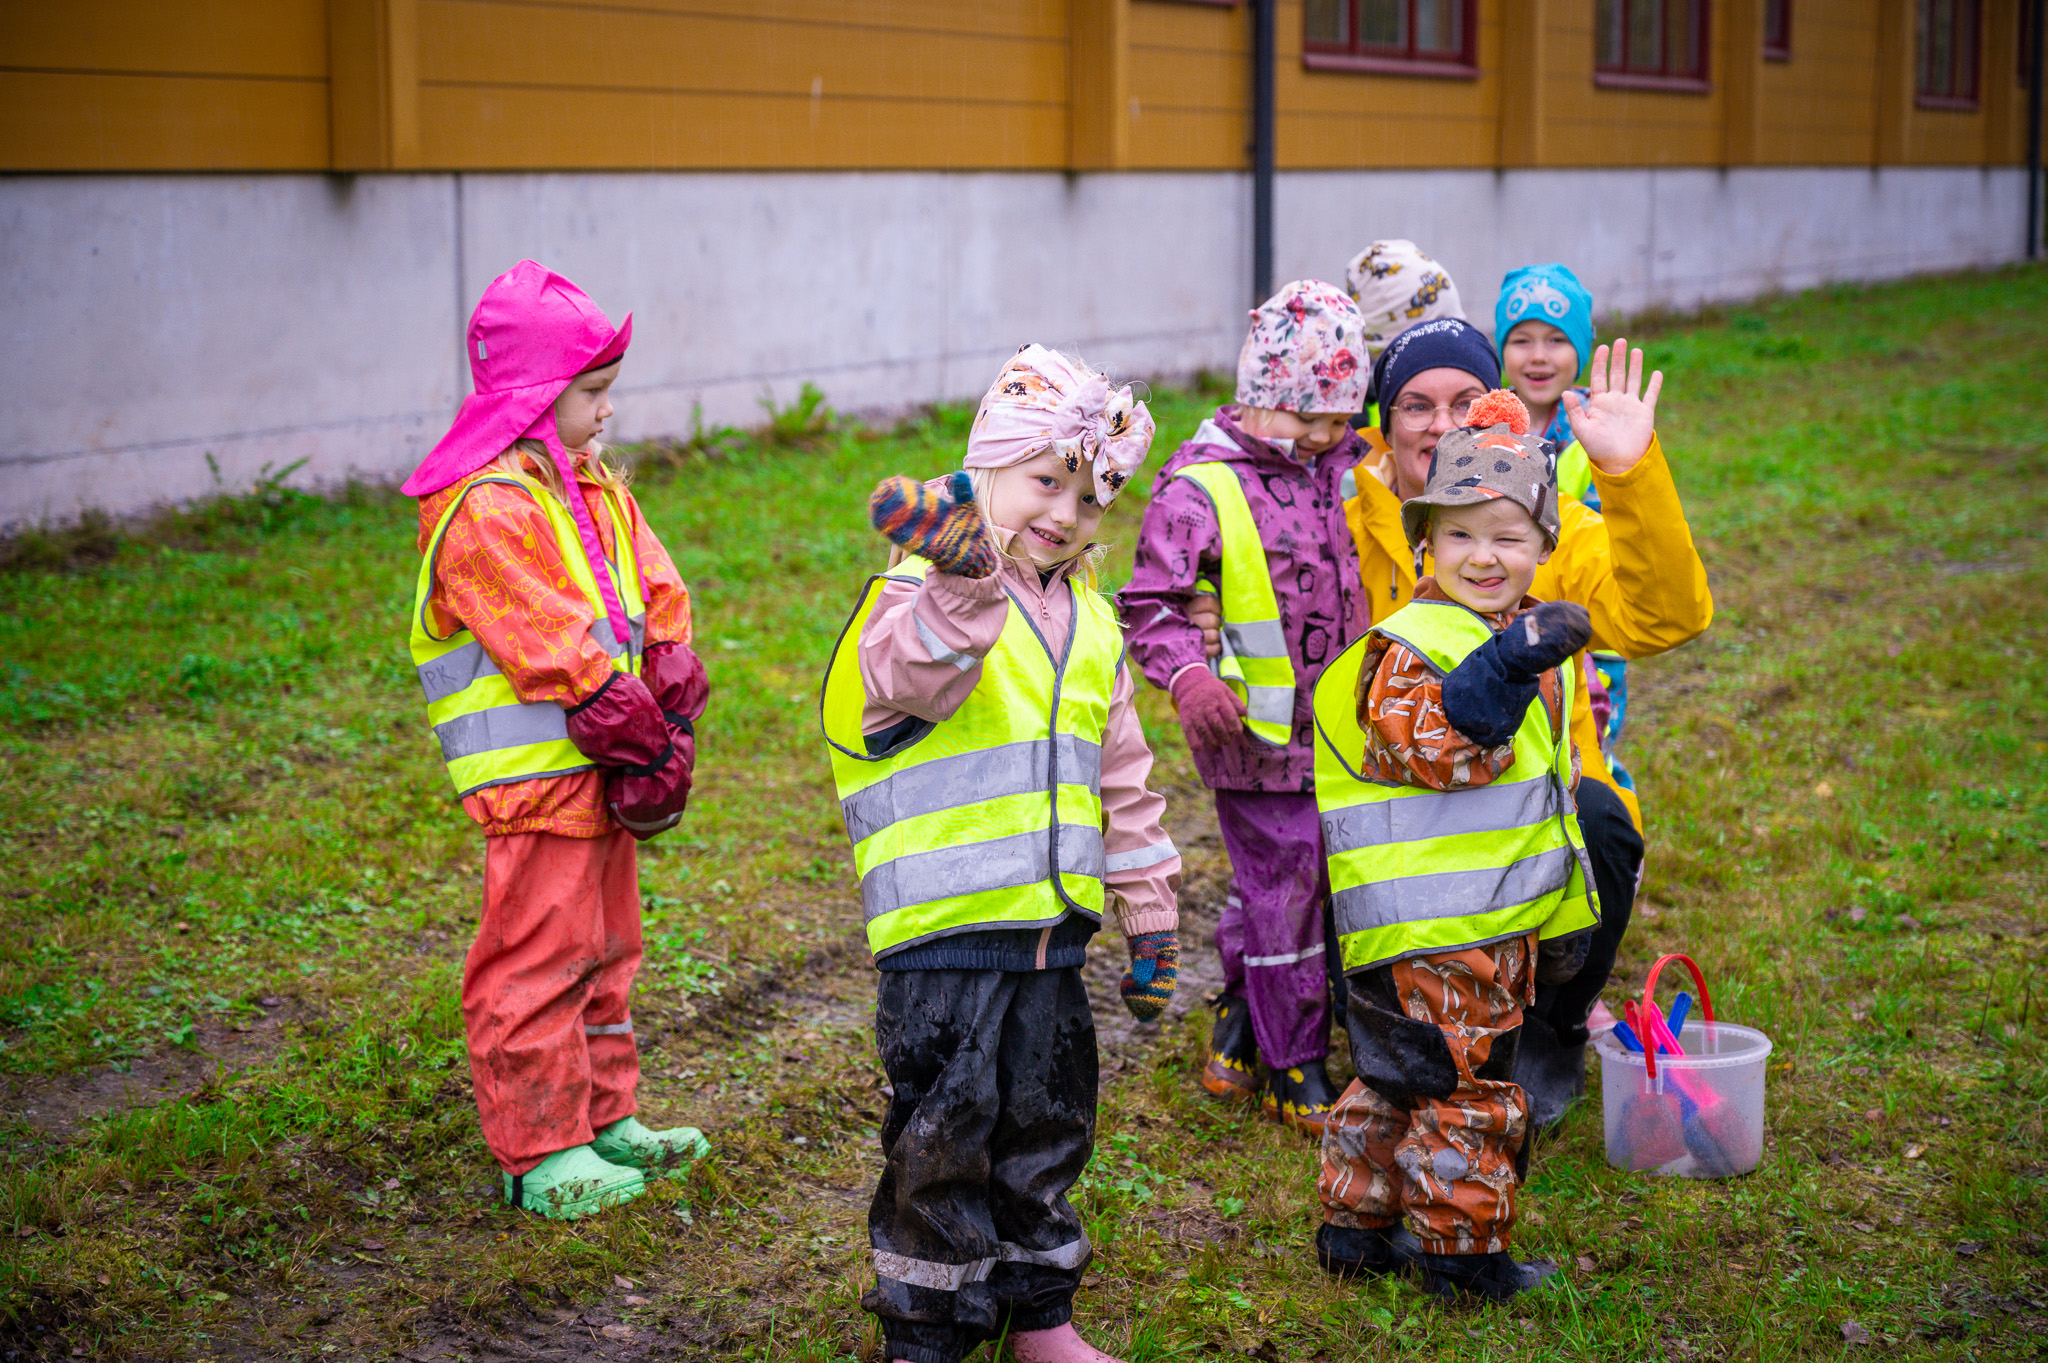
992 819
488 736
1415 871
1254 661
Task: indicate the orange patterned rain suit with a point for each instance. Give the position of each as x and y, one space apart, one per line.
1433 1128
545 986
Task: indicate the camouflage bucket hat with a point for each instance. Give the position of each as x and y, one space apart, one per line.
1492 456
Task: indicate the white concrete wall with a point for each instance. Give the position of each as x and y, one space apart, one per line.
149 321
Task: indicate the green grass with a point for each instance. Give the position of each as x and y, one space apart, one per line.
221 805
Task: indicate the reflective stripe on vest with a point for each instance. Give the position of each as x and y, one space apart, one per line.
992 819
1254 660
488 736
1416 871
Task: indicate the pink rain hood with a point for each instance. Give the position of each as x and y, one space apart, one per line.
532 333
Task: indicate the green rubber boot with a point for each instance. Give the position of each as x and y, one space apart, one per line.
573 1183
626 1141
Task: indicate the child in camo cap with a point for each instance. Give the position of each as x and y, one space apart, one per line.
1449 911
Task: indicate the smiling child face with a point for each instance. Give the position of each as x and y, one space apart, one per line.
1486 554
1050 506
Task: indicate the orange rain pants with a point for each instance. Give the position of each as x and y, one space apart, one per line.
1450 1161
544 992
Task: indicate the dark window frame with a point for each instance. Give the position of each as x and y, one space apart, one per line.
1373 59
1626 77
1777 30
1950 96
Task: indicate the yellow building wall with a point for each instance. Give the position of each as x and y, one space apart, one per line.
148 85
1816 109
308 85
1190 86
801 83
1587 125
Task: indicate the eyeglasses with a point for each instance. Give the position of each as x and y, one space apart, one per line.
1420 416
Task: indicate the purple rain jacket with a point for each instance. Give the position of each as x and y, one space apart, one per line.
1299 510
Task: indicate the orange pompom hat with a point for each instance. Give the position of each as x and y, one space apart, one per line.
1500 408
1491 456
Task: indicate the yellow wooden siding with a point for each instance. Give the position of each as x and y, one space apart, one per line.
513 85
1816 109
144 85
960 84
1190 86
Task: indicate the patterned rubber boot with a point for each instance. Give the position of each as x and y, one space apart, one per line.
573 1183
1347 1252
626 1141
1301 1097
1494 1277
1233 1068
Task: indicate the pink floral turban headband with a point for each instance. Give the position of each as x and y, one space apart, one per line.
1306 352
1044 400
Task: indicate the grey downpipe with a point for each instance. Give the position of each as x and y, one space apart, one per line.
2034 41
1262 148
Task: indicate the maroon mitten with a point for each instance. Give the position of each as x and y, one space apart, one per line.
675 674
620 727
1211 715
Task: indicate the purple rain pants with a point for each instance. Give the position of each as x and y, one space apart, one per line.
1271 934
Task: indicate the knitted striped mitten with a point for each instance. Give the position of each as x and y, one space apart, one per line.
1155 964
940 524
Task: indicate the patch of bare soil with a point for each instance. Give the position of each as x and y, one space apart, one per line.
56 1106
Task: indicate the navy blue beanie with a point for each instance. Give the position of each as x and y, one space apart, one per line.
1446 343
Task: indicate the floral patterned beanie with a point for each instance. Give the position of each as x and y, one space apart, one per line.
1396 286
1306 352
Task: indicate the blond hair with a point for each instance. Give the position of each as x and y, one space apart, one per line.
531 458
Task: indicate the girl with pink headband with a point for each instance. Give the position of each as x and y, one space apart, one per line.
992 775
551 634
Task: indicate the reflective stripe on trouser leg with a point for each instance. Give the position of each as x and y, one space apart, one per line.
1279 875
610 1029
990 1122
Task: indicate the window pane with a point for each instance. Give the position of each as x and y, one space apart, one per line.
1645 36
1440 27
1777 23
1607 28
1681 25
1383 23
1965 40
1325 22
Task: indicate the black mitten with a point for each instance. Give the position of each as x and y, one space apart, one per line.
1558 959
1486 696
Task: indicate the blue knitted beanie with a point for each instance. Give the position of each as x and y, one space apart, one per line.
1546 293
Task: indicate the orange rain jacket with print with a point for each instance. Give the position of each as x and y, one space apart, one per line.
501 575
1632 565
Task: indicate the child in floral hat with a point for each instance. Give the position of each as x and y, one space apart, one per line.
1253 507
551 634
992 774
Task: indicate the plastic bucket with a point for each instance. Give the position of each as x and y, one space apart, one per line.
1696 1115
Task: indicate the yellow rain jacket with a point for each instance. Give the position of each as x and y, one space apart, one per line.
1631 564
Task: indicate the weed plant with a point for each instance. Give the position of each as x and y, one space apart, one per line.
235 882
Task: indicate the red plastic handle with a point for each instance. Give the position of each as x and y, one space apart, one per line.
1650 1003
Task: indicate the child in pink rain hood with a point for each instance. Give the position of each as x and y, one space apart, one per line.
992 775
551 634
1253 506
